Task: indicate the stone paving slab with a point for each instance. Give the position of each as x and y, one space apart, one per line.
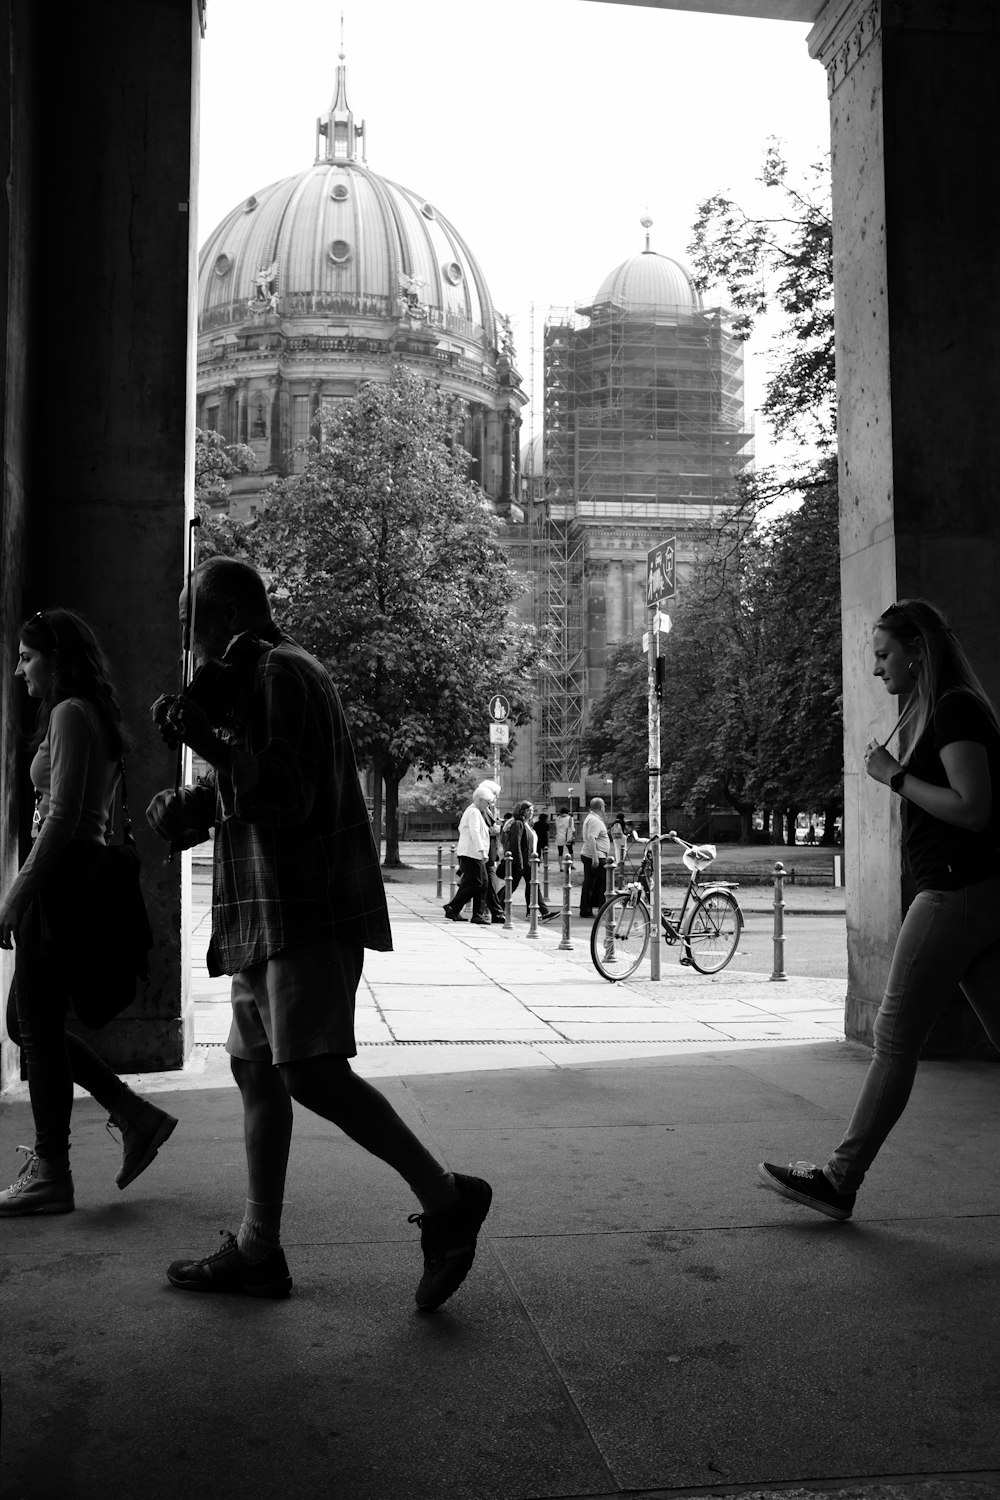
642 1318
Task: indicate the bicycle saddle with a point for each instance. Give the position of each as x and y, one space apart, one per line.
698 855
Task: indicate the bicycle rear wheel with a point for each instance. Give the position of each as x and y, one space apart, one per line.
712 933
619 937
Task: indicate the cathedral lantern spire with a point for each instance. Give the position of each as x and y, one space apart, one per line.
343 136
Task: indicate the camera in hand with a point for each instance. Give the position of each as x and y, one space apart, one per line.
219 687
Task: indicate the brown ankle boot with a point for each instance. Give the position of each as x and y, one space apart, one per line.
144 1129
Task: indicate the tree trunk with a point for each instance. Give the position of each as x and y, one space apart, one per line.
392 860
791 818
745 811
377 800
777 828
829 838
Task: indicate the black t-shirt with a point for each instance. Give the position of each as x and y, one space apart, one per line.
942 857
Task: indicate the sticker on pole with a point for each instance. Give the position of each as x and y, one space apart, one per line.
499 709
661 582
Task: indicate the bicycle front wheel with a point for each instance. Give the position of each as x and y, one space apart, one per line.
713 931
619 937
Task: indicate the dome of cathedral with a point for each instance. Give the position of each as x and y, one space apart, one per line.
650 280
338 241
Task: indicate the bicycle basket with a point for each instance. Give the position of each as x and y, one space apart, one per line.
698 856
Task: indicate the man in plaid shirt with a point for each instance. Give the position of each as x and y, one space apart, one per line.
297 896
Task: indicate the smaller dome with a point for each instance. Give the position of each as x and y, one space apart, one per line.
650 280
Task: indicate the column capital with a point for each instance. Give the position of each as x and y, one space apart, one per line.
847 28
843 33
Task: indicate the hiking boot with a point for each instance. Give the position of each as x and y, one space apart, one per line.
33 1194
144 1128
228 1271
448 1240
805 1183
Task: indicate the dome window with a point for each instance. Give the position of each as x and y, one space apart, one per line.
453 273
223 265
340 252
250 205
339 192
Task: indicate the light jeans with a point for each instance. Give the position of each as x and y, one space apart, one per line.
947 938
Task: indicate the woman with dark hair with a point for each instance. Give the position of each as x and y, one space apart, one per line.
522 842
78 754
949 784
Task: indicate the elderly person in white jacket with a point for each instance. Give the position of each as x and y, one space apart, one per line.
473 853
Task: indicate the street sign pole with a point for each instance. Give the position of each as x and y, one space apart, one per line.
499 732
661 585
653 719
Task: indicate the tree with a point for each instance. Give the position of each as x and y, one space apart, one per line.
751 714
785 260
385 562
215 463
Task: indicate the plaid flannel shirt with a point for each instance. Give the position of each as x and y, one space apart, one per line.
295 859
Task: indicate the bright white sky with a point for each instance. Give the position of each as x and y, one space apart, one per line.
542 128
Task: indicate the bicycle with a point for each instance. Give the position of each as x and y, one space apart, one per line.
708 925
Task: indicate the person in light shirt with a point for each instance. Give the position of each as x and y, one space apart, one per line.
594 850
473 852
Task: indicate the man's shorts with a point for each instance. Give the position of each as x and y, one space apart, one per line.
297 1003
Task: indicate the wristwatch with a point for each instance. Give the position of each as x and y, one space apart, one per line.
896 782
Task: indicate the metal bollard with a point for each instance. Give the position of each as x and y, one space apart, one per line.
567 916
440 871
533 903
451 873
779 922
545 872
508 893
609 875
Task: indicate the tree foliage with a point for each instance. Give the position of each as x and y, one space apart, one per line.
385 562
785 261
215 463
751 715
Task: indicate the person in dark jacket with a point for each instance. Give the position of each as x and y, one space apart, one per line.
522 842
297 897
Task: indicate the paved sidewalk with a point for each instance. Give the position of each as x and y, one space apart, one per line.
643 1319
455 983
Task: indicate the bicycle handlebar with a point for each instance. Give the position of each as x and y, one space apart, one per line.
658 837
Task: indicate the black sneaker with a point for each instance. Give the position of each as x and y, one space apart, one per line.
807 1184
227 1271
448 1240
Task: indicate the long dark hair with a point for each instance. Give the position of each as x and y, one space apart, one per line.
944 666
80 670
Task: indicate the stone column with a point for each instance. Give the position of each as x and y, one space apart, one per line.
94 495
242 424
916 256
616 602
629 591
278 444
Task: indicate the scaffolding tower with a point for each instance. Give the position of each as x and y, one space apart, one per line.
643 430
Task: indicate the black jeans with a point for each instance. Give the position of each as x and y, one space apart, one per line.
38 1005
471 885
